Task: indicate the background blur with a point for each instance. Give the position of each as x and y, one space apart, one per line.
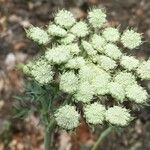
15 15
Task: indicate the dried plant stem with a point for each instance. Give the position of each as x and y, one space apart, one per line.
102 136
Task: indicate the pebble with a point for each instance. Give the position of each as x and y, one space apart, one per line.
10 61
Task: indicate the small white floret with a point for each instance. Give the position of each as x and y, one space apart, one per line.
118 116
68 82
64 18
80 29
112 51
94 113
144 70
38 35
111 34
129 62
131 39
136 93
67 117
55 30
97 18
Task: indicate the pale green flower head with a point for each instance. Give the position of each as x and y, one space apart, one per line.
97 18
131 39
68 39
98 42
68 82
86 59
55 30
116 91
67 117
100 83
41 71
129 62
89 48
58 55
136 93
85 92
99 71
111 34
106 63
118 116
80 29
38 35
75 63
88 72
144 70
94 113
112 51
28 67
125 79
73 48
64 18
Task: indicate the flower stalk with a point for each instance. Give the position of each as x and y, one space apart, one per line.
48 138
102 136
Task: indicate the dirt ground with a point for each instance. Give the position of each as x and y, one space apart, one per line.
15 15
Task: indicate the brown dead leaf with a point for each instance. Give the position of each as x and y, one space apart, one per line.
19 45
82 135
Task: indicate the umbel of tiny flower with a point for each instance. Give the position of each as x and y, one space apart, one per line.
98 42
41 70
67 117
118 116
55 30
112 51
129 62
88 60
64 18
144 70
85 92
38 35
131 39
97 18
94 113
111 34
69 82
136 93
75 63
117 91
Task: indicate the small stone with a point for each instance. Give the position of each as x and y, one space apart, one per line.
10 61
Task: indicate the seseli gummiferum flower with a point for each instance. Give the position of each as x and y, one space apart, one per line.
87 60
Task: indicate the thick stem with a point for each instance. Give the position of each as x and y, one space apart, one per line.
48 135
103 135
47 140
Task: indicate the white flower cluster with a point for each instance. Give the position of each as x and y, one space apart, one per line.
118 116
38 35
67 117
69 82
144 70
129 62
95 113
41 70
90 59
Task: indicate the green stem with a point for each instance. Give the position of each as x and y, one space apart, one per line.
104 134
47 140
48 135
